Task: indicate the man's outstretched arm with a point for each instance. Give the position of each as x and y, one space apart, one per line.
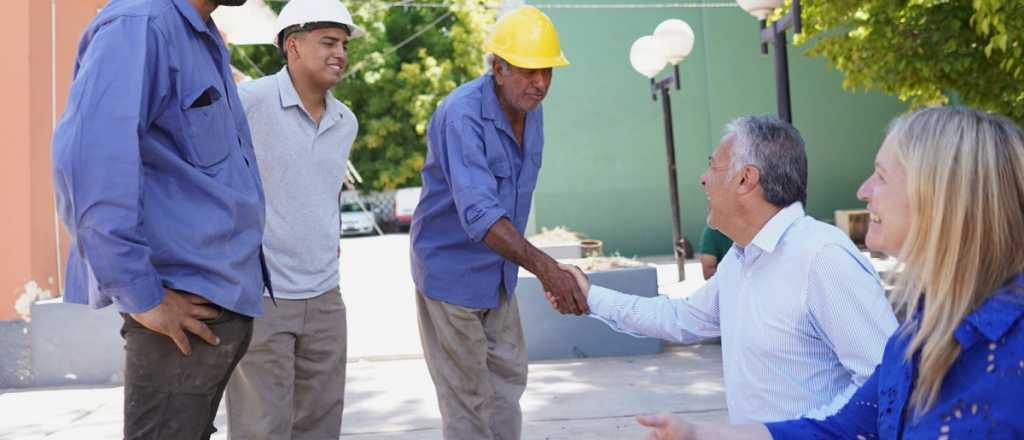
684 321
565 295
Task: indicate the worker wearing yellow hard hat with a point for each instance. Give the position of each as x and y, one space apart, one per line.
485 145
526 38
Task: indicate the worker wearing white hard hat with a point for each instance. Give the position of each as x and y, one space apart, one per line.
306 15
291 385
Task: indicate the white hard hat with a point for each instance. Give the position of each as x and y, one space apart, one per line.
300 12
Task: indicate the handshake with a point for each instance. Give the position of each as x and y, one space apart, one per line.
565 287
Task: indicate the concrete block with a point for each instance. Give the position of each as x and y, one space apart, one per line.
75 345
550 335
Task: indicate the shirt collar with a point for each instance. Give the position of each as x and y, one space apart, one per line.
290 97
771 233
490 109
191 15
489 106
996 315
333 108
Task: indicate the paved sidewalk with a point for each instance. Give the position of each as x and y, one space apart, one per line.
394 400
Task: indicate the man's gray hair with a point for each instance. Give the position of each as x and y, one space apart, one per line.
776 149
489 61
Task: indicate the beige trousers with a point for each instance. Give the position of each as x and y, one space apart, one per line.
477 360
291 382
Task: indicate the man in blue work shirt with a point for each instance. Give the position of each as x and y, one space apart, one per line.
156 182
484 153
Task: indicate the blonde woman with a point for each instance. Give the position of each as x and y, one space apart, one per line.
947 199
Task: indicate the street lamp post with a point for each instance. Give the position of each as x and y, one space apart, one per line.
776 35
671 42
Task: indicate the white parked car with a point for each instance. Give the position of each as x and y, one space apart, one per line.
355 221
406 200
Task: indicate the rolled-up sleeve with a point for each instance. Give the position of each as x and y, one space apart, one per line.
474 186
97 160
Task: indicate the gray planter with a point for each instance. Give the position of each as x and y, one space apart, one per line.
75 345
550 335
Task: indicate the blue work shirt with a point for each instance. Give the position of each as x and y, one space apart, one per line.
154 169
475 173
980 395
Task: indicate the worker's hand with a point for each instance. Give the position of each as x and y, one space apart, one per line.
178 312
667 427
563 292
582 279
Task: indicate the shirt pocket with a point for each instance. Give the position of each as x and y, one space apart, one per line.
494 151
499 165
497 160
208 128
501 169
531 171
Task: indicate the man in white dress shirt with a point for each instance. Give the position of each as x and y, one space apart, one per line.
802 315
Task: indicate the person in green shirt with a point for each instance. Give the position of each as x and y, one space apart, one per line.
713 246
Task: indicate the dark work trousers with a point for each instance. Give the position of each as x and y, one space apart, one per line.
168 395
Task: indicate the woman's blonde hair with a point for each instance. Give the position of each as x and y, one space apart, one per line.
965 181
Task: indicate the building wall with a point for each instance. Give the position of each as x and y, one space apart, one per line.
28 227
15 266
605 168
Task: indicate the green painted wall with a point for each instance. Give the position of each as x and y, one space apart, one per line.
605 172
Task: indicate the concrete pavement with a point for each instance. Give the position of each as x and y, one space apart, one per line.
394 400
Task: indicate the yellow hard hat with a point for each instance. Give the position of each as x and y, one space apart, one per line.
526 38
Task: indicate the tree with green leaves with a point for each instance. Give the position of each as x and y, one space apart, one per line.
410 59
925 51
